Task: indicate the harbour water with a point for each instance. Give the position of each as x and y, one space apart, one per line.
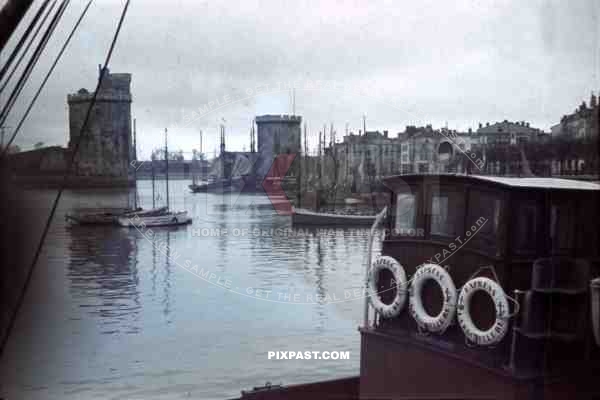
114 312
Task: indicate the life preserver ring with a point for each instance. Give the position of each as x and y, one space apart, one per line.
498 330
442 321
399 276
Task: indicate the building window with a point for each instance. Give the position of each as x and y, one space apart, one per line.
404 153
423 152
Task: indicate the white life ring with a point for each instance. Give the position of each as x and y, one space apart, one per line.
442 321
399 276
498 330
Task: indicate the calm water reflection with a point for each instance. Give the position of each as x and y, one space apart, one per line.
110 315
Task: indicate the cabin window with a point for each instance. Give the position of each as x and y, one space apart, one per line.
439 215
447 213
484 213
586 217
527 221
561 223
483 219
405 213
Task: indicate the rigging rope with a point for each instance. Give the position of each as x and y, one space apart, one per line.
32 62
62 186
37 94
17 48
16 66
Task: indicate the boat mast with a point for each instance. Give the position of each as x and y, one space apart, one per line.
167 166
135 196
152 168
201 155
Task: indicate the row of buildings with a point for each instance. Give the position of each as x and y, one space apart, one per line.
428 150
425 149
104 155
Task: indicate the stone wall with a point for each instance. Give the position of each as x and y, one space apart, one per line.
44 161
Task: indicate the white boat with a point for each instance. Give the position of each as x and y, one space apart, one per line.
353 201
302 216
146 213
161 216
168 218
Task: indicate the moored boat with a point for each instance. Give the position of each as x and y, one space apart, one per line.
97 216
214 185
491 300
301 216
162 219
155 217
153 212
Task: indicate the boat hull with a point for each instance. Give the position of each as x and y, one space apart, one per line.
434 368
166 219
97 216
147 213
345 388
306 217
215 187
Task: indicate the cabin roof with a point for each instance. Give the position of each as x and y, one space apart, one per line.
514 182
550 183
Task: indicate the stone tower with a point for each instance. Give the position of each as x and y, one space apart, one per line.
104 152
277 134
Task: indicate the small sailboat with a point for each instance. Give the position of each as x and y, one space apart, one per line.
197 185
156 216
220 179
97 216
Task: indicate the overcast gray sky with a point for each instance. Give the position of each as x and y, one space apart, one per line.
417 62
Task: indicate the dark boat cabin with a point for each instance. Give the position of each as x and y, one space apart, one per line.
482 290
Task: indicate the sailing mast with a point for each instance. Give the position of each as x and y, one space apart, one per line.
152 168
197 161
167 168
135 196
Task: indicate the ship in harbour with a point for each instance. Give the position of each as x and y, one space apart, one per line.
486 288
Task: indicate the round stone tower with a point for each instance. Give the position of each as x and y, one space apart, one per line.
104 153
277 134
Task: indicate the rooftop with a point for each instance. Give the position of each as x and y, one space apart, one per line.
534 182
516 182
278 118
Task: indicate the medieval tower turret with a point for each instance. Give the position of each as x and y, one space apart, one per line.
104 152
277 134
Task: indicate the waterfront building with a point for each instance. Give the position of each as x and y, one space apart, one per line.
581 124
507 133
416 149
